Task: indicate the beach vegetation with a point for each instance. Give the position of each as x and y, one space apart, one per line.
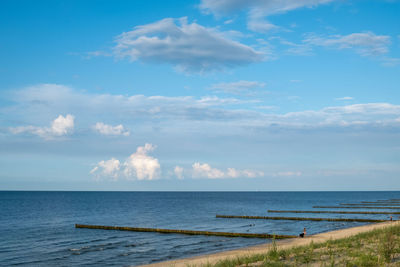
380 247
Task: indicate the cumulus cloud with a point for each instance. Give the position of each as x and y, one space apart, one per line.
108 168
237 88
139 166
59 127
105 129
206 171
189 47
257 10
142 166
365 43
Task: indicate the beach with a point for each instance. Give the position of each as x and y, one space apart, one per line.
282 244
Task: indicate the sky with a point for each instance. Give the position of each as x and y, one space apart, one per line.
200 95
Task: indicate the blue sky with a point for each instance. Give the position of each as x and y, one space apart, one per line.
200 95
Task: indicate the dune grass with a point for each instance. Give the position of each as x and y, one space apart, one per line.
379 247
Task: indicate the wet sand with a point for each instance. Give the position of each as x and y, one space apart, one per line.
282 244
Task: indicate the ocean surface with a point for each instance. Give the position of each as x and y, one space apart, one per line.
37 228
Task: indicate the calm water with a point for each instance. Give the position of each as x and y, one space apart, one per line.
37 228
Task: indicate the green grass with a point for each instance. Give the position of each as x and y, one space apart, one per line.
379 247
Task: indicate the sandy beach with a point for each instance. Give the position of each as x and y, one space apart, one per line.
282 244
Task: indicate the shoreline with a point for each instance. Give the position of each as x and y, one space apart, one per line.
263 248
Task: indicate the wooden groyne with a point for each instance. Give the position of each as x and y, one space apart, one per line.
353 207
334 212
370 204
382 201
186 232
299 218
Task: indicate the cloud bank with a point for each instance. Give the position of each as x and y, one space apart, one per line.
197 115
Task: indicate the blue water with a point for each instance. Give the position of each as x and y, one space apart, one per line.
37 228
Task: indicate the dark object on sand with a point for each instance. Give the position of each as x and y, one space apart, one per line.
303 234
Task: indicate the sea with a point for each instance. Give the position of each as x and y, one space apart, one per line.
38 228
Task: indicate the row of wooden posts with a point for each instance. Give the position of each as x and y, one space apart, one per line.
364 205
186 232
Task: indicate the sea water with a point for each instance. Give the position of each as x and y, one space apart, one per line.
37 228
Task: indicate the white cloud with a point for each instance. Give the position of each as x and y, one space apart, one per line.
178 172
142 166
189 47
59 127
206 171
257 9
344 98
365 44
237 88
234 173
62 125
139 166
105 129
108 168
